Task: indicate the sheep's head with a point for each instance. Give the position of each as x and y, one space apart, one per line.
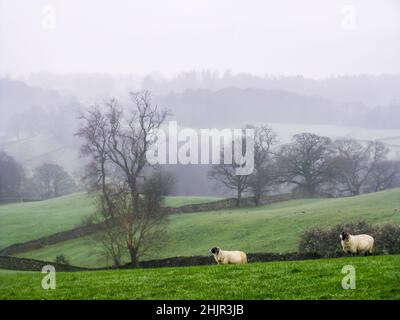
215 250
344 236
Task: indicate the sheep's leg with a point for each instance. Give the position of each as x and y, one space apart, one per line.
351 254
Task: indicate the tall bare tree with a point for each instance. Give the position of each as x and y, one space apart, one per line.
264 175
117 139
306 162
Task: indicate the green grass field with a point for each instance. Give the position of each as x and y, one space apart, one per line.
31 220
271 228
376 278
22 222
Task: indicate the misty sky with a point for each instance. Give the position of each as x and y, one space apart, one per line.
311 38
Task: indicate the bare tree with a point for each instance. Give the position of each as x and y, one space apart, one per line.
264 175
148 228
306 162
226 174
117 141
355 163
384 175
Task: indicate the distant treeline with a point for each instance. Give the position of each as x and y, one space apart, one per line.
47 181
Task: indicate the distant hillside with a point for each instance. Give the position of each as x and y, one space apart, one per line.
17 96
229 106
367 89
38 125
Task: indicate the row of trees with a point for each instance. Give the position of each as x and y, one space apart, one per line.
312 165
47 181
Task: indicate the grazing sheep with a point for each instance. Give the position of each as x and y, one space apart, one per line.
356 244
228 257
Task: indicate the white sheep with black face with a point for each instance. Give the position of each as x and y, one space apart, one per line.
228 257
357 244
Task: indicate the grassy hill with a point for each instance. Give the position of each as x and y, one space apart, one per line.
271 228
22 222
376 278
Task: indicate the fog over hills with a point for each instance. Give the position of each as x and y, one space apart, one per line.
370 90
39 114
233 106
139 134
363 101
17 96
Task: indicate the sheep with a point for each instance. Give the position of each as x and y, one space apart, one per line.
228 257
355 244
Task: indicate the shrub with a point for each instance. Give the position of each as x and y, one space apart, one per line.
326 242
318 242
61 259
388 239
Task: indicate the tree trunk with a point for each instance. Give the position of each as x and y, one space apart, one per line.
133 251
116 262
355 191
134 256
308 187
239 198
134 194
